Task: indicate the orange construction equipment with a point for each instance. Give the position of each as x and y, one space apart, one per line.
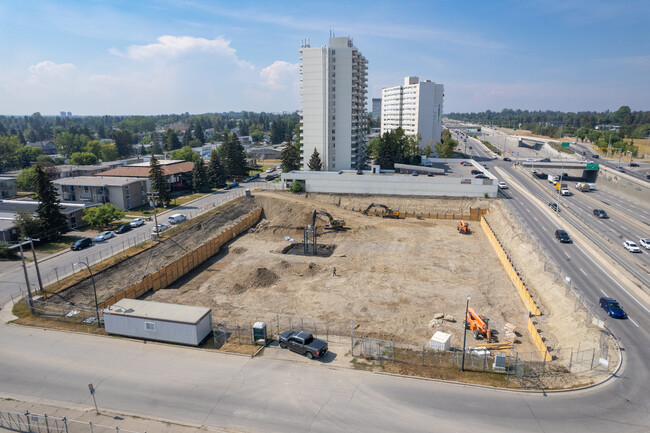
478 324
463 228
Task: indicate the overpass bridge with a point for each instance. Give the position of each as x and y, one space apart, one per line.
576 170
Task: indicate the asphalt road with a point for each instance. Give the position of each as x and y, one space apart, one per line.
228 391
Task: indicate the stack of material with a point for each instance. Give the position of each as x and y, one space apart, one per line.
509 332
501 346
440 341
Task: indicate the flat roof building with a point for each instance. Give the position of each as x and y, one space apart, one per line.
416 107
334 86
122 192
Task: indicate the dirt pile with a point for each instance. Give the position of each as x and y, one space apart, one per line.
123 275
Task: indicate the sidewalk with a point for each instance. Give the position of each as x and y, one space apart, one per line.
79 417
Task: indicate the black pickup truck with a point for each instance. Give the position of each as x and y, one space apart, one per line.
303 343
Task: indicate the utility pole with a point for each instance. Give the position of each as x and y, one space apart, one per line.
465 323
153 197
38 273
29 290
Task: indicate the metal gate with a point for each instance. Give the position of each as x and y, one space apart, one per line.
382 350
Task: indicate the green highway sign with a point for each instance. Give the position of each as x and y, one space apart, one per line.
565 144
592 166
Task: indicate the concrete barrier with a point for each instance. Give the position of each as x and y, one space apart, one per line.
539 343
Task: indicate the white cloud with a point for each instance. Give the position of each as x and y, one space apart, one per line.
280 75
175 46
49 72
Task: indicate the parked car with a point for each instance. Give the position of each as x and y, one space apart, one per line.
613 309
553 206
562 236
600 213
160 228
429 174
177 218
103 236
503 185
303 343
429 164
81 244
270 169
123 229
136 222
233 185
414 173
631 247
480 176
476 171
645 243
507 159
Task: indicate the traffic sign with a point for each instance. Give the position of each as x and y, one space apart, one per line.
565 144
592 166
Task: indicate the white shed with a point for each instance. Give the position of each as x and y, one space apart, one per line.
440 341
158 321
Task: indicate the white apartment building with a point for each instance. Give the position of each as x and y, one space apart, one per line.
334 85
416 107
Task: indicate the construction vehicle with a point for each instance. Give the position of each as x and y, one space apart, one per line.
390 213
478 324
334 224
463 228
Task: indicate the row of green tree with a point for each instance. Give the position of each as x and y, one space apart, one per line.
633 124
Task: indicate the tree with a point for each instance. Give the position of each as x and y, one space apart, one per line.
159 185
28 224
233 156
444 149
296 187
187 138
216 172
143 150
68 143
53 222
25 155
101 216
83 158
315 164
198 133
200 176
290 157
257 136
428 149
108 152
123 143
373 148
9 145
185 154
170 140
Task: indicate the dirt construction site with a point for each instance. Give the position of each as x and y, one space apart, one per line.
390 277
393 279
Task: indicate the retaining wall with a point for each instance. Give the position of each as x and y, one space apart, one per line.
537 339
172 272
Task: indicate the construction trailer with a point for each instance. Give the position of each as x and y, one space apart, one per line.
170 323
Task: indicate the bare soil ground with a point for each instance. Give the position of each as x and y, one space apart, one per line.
132 270
392 275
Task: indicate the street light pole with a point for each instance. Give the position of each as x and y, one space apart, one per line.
94 289
465 322
38 272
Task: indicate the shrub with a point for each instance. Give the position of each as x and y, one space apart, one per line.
296 187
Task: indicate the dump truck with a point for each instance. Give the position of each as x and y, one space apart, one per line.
390 213
463 228
582 187
478 324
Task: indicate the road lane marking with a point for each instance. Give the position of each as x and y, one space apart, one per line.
544 228
535 218
601 291
566 254
612 278
583 272
633 321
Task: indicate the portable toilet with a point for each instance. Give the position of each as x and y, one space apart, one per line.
259 332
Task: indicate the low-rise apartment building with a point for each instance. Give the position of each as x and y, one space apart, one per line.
123 192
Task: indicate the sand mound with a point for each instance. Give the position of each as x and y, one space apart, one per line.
262 277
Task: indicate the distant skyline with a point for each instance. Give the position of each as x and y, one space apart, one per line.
127 57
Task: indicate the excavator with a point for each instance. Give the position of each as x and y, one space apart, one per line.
335 224
479 325
390 213
463 228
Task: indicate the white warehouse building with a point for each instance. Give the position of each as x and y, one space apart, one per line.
416 107
334 85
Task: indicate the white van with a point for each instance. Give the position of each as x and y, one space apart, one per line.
177 218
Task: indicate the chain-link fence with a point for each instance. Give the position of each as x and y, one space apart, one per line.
66 312
242 332
35 423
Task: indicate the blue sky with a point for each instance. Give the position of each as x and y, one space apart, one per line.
173 56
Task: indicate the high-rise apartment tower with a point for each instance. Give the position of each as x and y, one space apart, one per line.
334 86
416 107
